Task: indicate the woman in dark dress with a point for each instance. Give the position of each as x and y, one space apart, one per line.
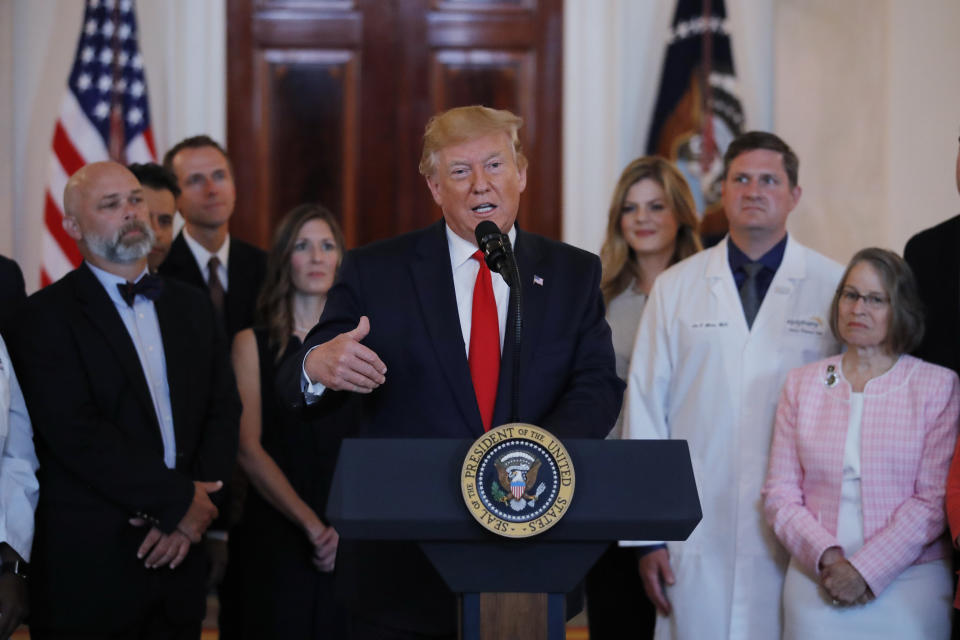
286 550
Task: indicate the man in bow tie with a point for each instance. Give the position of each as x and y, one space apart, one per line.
135 411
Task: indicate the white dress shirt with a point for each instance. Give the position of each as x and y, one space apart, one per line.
18 463
202 256
465 270
144 330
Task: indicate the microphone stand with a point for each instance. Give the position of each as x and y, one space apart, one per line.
516 294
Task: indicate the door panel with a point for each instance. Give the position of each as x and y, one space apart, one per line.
327 100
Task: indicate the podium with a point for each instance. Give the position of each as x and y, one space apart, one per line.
625 490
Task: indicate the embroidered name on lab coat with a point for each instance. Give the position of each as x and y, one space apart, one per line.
719 324
809 326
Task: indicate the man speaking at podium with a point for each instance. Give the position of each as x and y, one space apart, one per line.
420 332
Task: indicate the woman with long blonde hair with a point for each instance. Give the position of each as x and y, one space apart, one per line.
652 224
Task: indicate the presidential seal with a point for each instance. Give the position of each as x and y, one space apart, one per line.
517 480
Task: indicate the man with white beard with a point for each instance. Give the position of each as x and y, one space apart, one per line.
135 412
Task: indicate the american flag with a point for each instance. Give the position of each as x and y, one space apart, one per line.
104 115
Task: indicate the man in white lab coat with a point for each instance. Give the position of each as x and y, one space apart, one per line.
720 331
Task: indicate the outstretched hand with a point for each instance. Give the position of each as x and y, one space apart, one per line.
344 364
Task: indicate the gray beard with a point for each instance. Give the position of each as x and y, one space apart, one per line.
119 251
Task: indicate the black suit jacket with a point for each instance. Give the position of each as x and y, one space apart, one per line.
101 453
12 290
405 287
934 257
246 269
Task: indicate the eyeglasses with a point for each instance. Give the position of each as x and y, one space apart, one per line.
871 300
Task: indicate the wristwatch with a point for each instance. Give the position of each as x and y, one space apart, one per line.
16 567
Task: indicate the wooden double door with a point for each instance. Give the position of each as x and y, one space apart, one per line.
327 102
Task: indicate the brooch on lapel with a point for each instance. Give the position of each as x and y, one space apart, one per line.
831 379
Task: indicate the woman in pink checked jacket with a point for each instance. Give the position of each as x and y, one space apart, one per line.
858 470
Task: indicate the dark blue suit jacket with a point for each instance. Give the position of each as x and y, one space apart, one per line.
405 287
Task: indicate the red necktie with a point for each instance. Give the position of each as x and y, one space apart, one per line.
484 343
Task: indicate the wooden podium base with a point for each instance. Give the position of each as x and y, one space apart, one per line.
501 616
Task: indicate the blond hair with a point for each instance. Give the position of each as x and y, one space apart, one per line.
620 269
461 124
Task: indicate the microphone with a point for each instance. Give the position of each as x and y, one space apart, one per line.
497 251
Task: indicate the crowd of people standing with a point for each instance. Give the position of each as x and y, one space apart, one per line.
178 402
